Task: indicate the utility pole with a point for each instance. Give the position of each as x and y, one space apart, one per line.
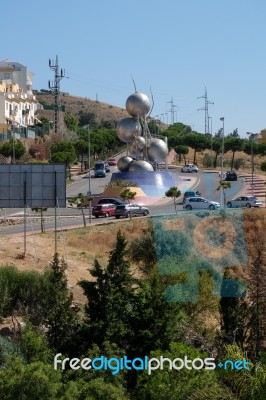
206 109
55 87
172 110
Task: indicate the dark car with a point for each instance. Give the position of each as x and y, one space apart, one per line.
127 210
104 210
111 200
230 176
190 193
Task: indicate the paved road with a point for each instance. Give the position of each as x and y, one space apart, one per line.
205 182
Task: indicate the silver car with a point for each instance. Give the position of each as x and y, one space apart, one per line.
199 203
245 201
127 210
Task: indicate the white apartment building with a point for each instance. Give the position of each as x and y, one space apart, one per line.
18 104
13 72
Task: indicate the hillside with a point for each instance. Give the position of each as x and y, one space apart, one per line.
75 105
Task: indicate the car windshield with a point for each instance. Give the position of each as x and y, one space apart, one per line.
99 167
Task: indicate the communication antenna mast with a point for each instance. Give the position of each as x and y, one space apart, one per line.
55 87
172 110
206 109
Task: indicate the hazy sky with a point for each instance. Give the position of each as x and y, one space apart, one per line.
175 48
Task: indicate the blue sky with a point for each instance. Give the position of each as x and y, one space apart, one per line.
176 48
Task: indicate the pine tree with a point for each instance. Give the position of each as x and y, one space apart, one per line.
233 311
60 315
110 299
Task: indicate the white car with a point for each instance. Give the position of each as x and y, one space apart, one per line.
189 168
199 203
245 201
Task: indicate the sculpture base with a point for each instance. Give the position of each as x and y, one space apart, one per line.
153 183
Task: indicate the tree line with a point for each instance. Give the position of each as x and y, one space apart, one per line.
181 137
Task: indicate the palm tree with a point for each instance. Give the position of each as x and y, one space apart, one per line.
173 192
128 195
224 185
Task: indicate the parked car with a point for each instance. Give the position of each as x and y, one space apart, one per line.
125 210
245 201
190 193
104 210
111 161
189 168
111 200
199 203
230 176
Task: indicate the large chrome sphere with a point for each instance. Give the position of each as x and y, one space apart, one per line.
136 146
157 150
140 166
127 129
123 163
138 104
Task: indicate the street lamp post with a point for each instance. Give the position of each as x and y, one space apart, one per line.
210 118
13 145
222 163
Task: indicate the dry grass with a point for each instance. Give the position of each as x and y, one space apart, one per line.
79 247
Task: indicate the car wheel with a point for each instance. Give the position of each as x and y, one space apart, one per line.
127 215
188 207
229 204
96 216
248 205
211 207
117 216
182 170
107 215
146 212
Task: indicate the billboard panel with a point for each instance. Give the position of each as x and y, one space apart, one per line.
33 185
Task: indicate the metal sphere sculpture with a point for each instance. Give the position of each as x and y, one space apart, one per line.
138 104
134 131
140 166
127 129
124 163
157 150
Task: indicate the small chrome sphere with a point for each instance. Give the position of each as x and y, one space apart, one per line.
138 104
157 150
127 129
123 163
140 166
